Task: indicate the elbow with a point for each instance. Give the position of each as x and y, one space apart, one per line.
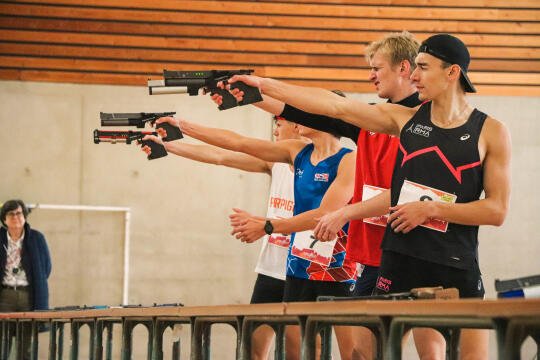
219 158
498 216
219 161
498 220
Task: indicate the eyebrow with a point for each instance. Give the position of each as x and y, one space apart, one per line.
421 63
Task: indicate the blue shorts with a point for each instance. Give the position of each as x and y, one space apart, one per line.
367 278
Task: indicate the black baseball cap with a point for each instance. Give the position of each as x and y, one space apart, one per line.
450 49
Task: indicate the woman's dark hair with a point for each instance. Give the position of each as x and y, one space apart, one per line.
11 205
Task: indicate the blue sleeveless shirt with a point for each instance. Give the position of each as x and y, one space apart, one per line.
310 184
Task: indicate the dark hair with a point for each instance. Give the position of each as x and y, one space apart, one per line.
462 83
11 205
450 49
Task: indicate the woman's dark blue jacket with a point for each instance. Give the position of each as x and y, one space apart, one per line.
36 263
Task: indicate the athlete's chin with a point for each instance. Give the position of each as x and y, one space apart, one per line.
382 93
422 95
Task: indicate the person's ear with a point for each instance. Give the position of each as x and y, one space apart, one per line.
405 68
454 71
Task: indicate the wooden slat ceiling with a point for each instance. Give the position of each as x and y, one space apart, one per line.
310 42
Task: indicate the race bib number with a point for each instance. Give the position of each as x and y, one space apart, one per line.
368 192
280 240
411 191
306 247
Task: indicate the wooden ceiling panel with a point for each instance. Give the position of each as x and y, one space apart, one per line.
309 42
428 24
238 32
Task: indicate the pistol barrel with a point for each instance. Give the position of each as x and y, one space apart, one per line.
157 87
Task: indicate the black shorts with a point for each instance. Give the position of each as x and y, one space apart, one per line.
267 290
297 289
367 278
401 273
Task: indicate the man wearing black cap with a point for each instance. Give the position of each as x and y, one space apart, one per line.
449 153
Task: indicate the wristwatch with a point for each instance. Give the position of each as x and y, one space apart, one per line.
268 227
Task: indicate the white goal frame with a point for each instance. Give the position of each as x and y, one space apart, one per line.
127 220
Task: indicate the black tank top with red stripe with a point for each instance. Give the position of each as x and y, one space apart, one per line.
440 165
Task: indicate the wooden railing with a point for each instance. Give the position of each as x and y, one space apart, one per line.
315 42
513 321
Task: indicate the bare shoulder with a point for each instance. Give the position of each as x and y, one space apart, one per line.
399 113
495 137
493 125
348 162
494 131
350 156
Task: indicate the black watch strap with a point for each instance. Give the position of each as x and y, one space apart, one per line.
268 227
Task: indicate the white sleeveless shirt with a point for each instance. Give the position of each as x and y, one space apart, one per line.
273 256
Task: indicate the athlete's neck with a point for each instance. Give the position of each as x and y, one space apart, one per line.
325 145
401 93
450 109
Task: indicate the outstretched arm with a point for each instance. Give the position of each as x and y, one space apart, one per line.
213 155
338 194
290 113
491 210
382 118
283 151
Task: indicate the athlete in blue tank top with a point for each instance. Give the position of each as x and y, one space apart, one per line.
310 184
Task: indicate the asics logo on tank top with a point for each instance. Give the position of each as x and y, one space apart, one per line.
419 129
465 137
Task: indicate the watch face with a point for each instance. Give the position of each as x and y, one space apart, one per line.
268 227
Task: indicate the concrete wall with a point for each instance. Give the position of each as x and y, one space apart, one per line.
180 247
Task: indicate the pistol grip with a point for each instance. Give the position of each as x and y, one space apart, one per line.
173 133
251 93
156 150
229 101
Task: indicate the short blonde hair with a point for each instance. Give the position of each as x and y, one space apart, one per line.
397 46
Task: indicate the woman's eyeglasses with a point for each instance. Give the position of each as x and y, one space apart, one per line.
13 214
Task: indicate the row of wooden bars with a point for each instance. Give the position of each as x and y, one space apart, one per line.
513 321
311 42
